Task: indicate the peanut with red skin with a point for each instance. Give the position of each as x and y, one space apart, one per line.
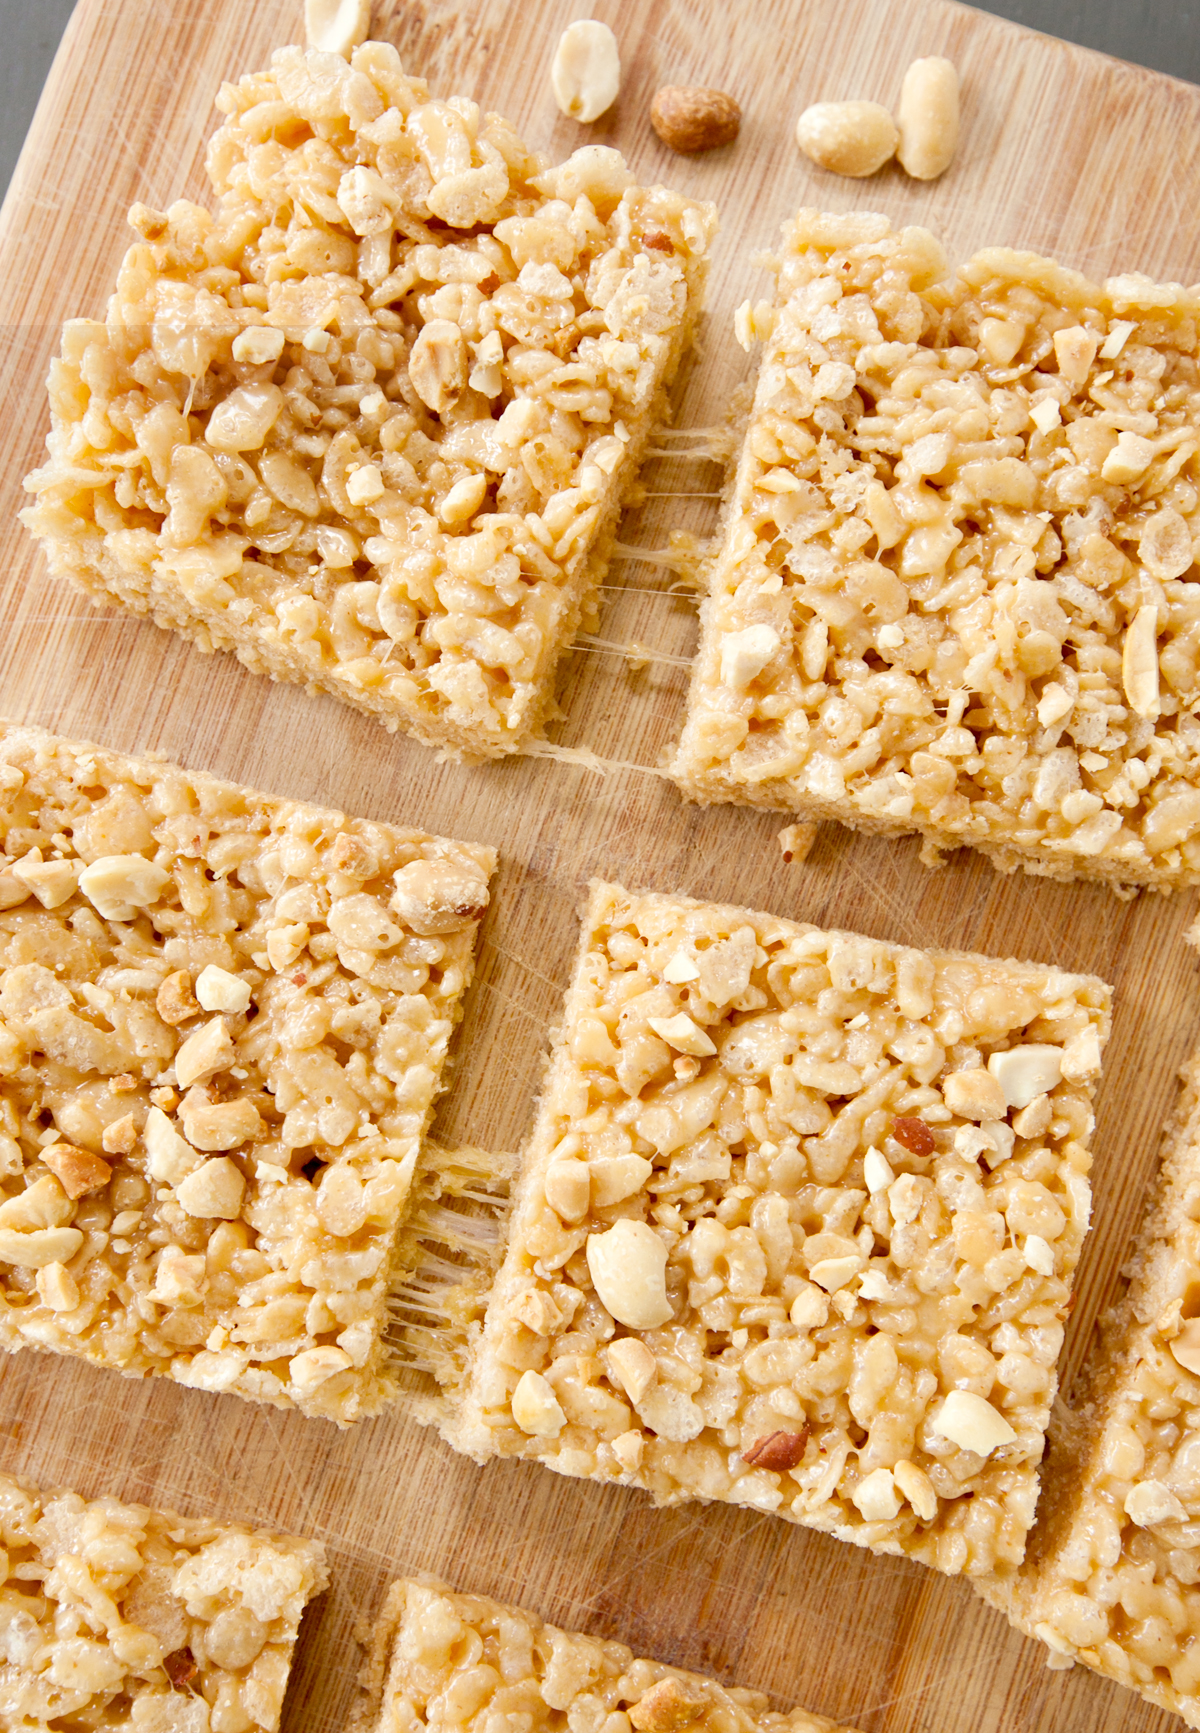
914 1135
777 1451
690 117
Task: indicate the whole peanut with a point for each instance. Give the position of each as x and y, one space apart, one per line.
851 138
689 118
586 74
928 118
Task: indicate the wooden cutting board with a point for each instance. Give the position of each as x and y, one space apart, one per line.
1064 151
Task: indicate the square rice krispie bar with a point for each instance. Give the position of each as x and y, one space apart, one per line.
431 1648
370 425
223 1021
955 592
1112 1575
119 1616
796 1228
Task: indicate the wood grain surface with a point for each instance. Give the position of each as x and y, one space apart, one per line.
1062 151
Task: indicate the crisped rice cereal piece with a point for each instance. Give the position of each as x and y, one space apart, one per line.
955 592
370 425
116 1615
796 1228
431 1646
1112 1575
221 1037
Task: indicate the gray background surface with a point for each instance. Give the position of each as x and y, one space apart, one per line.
1163 34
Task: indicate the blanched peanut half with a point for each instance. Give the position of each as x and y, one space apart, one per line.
1024 1073
1139 662
917 1488
117 885
633 1366
628 1266
928 118
850 138
586 74
536 1409
337 26
439 896
213 1191
972 1423
38 1248
1186 1346
1150 1502
876 1496
316 1365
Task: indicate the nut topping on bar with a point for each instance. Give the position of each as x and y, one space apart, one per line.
665 1709
778 1450
914 1135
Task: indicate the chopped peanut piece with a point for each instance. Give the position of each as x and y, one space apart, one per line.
422 1656
218 990
228 1163
78 1171
811 1259
973 1095
971 1423
536 1409
214 1189
634 1365
183 1611
978 623
796 841
370 421
57 1287
665 1708
175 1002
778 1450
51 882
876 1496
120 884
204 1053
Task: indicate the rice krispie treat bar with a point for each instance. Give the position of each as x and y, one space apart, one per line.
432 1648
1112 1577
955 592
119 1616
370 424
223 1021
796 1228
